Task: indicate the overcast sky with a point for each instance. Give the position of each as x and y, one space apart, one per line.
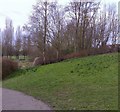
19 10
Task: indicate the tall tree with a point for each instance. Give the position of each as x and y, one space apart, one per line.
18 42
56 27
39 19
8 36
81 14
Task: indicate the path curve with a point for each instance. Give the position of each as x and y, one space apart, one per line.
14 100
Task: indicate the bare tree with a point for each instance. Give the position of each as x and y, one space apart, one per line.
18 42
82 14
8 36
0 36
56 27
40 20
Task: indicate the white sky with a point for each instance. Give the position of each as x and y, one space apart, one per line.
19 10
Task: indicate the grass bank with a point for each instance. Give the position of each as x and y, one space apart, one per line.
89 83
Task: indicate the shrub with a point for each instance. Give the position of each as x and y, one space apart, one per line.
91 51
83 53
8 66
38 61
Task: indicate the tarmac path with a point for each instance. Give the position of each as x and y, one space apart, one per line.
14 100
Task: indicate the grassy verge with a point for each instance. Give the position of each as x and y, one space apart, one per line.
89 83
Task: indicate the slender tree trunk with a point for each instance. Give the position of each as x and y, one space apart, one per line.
45 34
57 55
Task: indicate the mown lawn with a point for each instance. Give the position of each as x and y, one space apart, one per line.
89 83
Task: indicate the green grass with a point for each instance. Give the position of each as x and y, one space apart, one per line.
89 83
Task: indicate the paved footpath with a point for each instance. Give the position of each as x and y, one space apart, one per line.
14 100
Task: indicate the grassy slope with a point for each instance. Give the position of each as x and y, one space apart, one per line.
85 83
